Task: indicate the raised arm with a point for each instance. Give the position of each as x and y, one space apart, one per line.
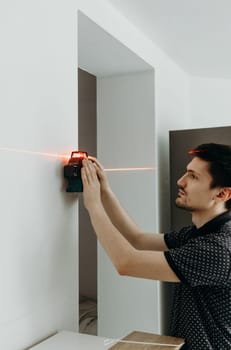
122 221
127 259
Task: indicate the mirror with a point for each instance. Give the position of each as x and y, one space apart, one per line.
116 123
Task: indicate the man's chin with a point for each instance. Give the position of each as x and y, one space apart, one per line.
181 205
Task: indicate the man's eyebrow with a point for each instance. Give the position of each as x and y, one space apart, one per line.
192 171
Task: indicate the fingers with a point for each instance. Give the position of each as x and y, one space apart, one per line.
84 176
88 171
97 166
92 163
96 162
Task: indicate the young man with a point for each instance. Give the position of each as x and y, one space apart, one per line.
197 258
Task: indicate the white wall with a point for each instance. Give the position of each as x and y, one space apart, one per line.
127 139
210 101
172 113
38 236
38 111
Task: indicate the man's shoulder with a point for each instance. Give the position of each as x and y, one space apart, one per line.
222 233
180 230
175 238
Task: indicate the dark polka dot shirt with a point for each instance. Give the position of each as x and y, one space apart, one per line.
201 258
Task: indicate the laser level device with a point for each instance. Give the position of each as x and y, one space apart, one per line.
72 171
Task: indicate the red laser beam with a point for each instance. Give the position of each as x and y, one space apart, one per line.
65 157
130 169
43 154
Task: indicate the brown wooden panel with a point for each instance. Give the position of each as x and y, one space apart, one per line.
146 338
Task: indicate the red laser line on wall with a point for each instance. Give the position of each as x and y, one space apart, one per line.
43 154
130 169
65 157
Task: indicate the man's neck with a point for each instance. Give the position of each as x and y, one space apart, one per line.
201 218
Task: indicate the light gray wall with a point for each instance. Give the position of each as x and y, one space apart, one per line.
126 138
210 102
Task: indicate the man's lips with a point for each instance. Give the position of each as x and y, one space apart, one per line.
181 193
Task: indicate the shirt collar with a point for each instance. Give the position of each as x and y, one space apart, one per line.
212 225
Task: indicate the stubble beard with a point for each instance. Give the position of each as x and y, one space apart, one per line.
182 205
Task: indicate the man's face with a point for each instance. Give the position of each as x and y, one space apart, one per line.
195 192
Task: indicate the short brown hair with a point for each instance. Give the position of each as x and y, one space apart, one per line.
219 158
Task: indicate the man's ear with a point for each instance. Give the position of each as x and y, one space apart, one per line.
224 194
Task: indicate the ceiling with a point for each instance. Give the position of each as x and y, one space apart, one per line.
195 34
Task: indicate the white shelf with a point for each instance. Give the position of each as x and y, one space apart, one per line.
73 341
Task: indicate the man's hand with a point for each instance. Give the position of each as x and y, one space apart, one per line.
91 185
101 175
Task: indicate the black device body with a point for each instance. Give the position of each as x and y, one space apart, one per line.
72 171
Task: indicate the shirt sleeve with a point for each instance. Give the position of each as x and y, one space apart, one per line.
201 262
175 239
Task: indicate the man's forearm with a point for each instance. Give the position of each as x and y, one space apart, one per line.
128 228
117 247
119 217
127 260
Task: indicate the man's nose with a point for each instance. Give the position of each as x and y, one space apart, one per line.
181 181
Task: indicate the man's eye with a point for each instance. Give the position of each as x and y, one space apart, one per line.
192 176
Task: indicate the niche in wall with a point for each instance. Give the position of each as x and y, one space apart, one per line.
87 111
125 137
